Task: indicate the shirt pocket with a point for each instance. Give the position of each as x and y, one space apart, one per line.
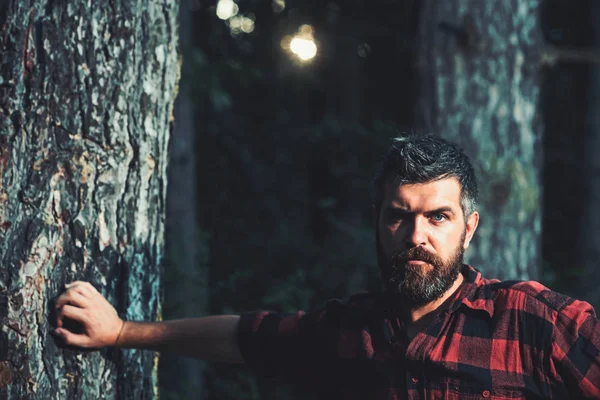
455 390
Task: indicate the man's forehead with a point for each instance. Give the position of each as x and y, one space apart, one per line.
445 190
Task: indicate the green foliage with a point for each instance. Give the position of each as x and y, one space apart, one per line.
286 153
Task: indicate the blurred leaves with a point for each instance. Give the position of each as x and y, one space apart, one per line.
286 154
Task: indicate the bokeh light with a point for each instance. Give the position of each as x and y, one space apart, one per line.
363 50
278 5
227 9
240 23
305 49
306 30
302 45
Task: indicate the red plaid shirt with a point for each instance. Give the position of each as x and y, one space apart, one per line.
496 340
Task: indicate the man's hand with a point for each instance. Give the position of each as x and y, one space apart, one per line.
209 338
82 303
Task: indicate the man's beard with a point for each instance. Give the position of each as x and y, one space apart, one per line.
421 284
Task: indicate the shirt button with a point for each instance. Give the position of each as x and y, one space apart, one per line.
415 379
485 393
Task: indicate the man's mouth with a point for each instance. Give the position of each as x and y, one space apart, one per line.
415 258
416 262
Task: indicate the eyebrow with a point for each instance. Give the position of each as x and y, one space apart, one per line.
398 209
441 210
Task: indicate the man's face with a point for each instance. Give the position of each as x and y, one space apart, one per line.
421 238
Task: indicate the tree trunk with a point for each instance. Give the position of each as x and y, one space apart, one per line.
479 63
186 263
570 98
86 94
587 251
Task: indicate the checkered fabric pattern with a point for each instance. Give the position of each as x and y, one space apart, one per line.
496 340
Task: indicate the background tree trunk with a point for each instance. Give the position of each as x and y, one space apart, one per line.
570 100
586 273
186 273
86 94
479 63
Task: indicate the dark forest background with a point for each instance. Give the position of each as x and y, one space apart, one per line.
272 159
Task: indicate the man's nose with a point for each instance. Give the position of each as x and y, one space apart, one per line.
417 232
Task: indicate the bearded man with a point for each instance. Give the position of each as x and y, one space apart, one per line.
439 330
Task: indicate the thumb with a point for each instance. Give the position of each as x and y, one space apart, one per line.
71 338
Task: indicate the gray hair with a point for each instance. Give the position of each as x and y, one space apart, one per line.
425 158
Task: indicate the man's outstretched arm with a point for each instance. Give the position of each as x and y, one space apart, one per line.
208 338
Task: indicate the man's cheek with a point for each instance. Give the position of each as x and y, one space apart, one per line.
390 244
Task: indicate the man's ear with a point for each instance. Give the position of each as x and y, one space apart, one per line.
470 228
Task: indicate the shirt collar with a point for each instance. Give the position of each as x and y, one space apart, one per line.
474 293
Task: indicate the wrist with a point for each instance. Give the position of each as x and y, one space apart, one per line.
120 335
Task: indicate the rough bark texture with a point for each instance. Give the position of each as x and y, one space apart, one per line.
86 93
479 63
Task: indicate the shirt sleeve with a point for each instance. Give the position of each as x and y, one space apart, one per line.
575 358
290 347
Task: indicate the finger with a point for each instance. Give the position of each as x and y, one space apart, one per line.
58 315
73 298
62 300
74 285
74 313
78 300
72 339
81 284
71 284
82 290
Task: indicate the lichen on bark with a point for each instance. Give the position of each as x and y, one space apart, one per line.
479 67
86 97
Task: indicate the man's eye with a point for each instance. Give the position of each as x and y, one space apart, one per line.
395 217
438 217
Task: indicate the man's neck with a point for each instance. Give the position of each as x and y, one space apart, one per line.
418 317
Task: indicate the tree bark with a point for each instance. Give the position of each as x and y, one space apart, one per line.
478 64
86 95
